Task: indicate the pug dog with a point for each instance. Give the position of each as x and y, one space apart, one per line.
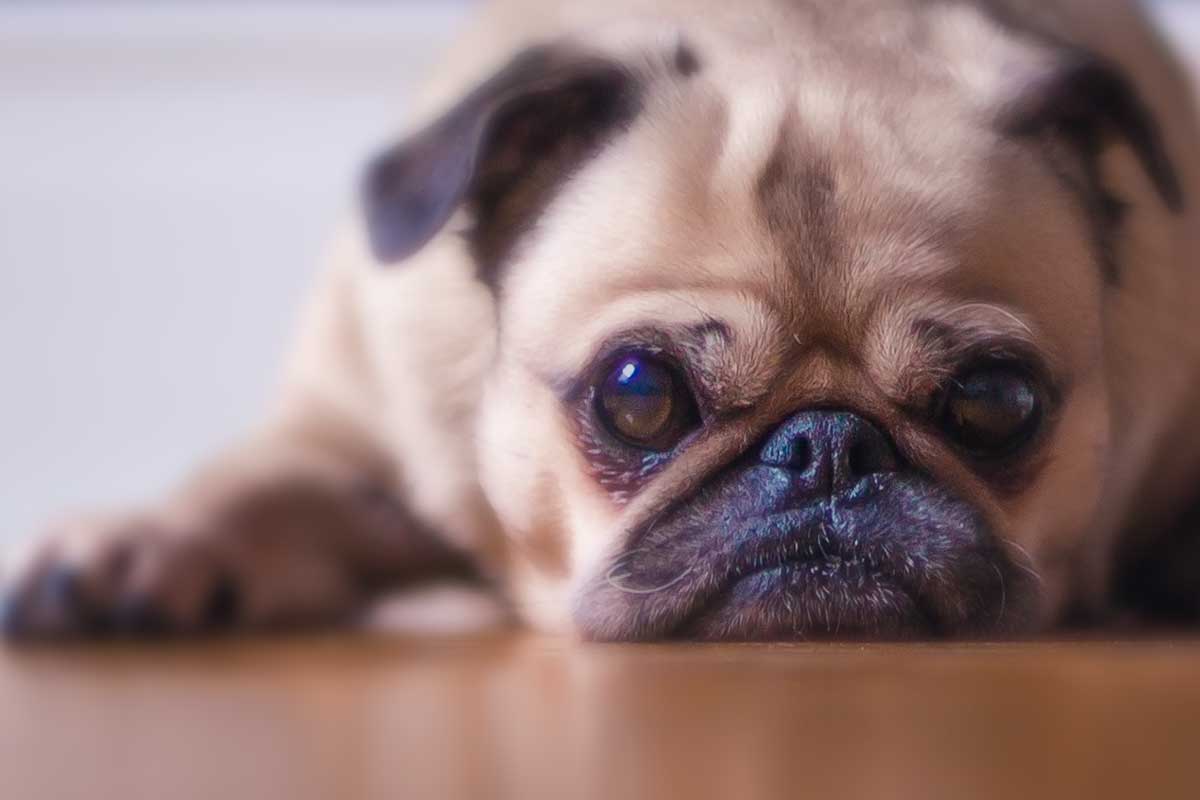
766 320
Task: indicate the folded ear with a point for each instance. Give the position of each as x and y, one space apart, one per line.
1088 102
499 153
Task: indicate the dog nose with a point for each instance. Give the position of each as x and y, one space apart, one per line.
831 450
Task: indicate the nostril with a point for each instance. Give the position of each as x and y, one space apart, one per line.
801 455
862 460
869 455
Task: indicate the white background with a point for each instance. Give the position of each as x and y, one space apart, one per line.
168 175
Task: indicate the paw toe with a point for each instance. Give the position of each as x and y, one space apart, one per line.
223 606
46 604
8 617
141 616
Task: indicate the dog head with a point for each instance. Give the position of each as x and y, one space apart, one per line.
798 335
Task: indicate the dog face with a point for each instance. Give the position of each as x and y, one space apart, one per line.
794 339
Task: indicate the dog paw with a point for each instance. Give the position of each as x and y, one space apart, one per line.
133 576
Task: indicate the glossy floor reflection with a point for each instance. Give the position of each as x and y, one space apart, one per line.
527 717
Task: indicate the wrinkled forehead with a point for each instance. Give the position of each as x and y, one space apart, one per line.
793 208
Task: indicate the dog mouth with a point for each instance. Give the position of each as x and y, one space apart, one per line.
905 560
811 585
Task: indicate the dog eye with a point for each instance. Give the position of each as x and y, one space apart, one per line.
991 411
645 402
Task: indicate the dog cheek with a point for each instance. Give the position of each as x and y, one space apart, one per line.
1064 527
554 516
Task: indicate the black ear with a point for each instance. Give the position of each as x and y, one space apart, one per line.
1087 102
499 153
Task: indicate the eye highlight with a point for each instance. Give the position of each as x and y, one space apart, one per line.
644 401
992 410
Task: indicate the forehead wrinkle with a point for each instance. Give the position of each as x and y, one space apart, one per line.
844 224
839 219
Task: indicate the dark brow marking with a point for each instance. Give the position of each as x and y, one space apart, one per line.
796 198
687 62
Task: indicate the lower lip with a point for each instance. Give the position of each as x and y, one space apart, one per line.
818 599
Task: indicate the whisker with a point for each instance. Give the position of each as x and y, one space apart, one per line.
1003 594
1028 567
1004 312
611 579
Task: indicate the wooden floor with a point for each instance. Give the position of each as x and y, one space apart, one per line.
529 718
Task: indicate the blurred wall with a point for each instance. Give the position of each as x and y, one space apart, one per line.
168 174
